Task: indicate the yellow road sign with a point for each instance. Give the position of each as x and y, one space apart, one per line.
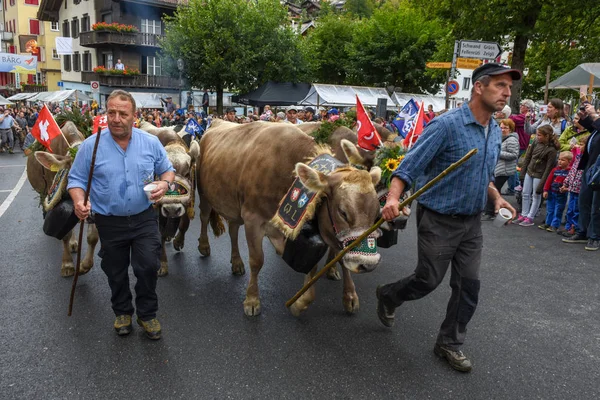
467 63
440 65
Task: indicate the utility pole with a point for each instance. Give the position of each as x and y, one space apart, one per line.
452 72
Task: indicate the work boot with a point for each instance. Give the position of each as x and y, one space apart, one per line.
384 312
123 325
152 328
456 359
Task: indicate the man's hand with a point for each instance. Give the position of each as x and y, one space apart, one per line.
160 190
545 195
501 203
82 211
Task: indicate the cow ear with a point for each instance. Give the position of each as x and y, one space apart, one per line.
53 162
313 180
375 173
351 152
194 151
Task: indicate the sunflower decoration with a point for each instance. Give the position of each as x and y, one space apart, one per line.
388 158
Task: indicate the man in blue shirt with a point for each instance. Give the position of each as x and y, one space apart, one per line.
6 134
448 215
127 159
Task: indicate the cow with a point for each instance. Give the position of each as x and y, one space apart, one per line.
41 170
243 173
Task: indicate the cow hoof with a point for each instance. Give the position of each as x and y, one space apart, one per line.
252 307
237 267
351 305
204 249
163 272
178 243
297 309
85 266
334 274
83 271
67 270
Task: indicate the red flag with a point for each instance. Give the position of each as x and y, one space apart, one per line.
368 138
45 128
417 128
100 121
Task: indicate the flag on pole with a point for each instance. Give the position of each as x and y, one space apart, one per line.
100 121
45 128
417 128
368 138
405 119
194 128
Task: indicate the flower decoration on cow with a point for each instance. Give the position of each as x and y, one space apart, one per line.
388 158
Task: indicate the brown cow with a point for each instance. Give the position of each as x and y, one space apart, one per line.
243 173
41 167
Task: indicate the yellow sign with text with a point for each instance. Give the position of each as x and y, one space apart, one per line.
439 65
467 63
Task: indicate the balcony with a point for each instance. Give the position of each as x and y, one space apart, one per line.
172 4
137 81
105 38
6 36
34 88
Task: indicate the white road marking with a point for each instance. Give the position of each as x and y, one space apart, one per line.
6 203
11 166
5 191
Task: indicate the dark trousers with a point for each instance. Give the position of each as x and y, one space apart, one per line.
136 240
498 182
444 240
589 211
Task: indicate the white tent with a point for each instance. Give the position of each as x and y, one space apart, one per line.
582 75
439 103
150 100
344 96
21 96
4 102
61 95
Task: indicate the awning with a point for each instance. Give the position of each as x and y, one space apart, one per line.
4 102
150 100
22 96
579 76
345 96
439 103
274 94
61 95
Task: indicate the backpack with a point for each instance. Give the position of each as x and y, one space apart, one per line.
563 125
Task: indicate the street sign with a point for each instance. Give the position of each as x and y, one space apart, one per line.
95 85
481 50
60 84
440 65
453 88
468 63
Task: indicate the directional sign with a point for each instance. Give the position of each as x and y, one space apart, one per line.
453 88
440 65
467 63
477 49
95 86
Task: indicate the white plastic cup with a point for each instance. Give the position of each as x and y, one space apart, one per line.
504 215
148 190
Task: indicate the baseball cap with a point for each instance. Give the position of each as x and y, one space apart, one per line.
333 111
494 69
309 109
230 109
290 108
281 114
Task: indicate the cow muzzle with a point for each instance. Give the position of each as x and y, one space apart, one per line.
364 257
172 210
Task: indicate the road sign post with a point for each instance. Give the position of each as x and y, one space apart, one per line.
452 71
452 88
95 86
480 50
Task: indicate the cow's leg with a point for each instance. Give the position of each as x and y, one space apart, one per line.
73 241
333 273
349 298
203 245
164 265
237 265
184 224
67 268
307 298
92 239
254 236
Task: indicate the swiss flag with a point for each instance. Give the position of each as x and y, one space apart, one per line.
417 128
100 121
368 138
45 128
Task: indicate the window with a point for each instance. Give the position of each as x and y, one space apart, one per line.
32 2
151 26
67 63
87 61
76 61
12 3
466 83
55 55
153 66
107 18
65 30
108 60
54 26
75 28
34 27
85 23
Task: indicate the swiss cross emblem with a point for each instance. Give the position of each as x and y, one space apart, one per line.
295 194
43 125
103 120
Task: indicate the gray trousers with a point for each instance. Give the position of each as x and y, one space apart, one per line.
444 240
6 137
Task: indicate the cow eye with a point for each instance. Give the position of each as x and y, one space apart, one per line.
343 214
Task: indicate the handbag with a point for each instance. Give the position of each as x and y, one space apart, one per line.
593 176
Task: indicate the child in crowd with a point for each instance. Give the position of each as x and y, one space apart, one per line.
557 198
267 114
572 185
537 164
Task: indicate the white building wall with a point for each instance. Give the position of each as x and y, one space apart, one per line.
84 7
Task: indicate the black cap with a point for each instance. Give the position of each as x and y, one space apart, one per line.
230 109
309 109
494 69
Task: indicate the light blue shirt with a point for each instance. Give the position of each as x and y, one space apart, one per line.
445 140
119 176
7 122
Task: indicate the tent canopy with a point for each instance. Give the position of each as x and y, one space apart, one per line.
4 102
274 94
152 100
21 96
439 103
52 97
577 77
344 96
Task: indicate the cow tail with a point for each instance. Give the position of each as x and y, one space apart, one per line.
216 223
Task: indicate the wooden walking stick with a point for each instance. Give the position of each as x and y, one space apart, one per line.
352 245
82 222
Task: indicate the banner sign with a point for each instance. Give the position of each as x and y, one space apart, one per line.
17 63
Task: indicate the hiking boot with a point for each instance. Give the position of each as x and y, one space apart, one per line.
551 229
384 312
543 226
123 325
576 238
592 244
527 222
568 232
456 359
152 328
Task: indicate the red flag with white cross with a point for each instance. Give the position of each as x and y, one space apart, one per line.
45 128
100 121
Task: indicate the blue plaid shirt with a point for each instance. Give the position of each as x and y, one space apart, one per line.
444 141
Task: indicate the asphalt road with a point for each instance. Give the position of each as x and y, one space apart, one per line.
535 335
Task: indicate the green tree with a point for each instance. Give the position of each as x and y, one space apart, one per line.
235 44
360 8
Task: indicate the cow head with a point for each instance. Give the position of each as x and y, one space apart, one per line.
349 207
